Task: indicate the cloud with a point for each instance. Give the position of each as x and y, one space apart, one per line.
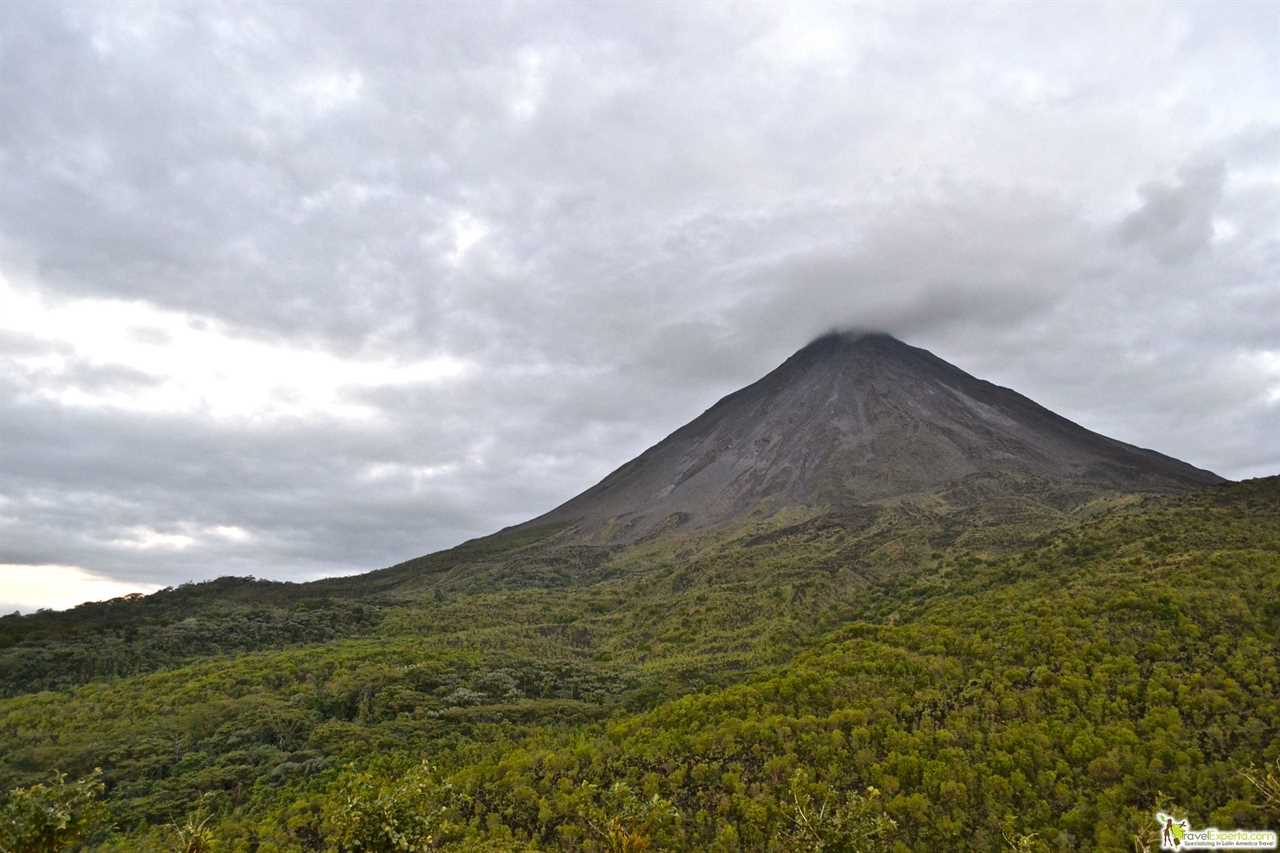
1177 220
293 291
130 355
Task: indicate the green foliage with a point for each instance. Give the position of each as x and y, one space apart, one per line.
59 815
136 634
193 834
821 820
364 812
903 680
1266 780
620 820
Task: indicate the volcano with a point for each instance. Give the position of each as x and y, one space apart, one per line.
855 419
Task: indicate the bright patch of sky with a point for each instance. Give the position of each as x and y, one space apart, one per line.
189 364
29 588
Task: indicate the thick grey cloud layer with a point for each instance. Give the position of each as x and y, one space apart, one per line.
304 290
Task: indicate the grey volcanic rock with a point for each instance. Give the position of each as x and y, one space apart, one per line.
855 419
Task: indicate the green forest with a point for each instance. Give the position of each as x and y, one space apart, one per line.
902 677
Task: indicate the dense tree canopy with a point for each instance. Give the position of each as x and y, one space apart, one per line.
906 683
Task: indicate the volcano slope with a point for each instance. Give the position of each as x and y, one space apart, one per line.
1030 654
858 418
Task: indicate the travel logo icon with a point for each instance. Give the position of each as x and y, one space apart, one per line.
1177 834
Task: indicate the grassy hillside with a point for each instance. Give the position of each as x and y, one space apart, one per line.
898 678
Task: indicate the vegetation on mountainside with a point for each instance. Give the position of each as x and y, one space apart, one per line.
879 683
59 650
53 816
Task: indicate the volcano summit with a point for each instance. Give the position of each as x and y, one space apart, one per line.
856 418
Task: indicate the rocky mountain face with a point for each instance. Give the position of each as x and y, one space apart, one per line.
857 419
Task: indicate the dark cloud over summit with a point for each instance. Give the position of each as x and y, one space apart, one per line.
300 290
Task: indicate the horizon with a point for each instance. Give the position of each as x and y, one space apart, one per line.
844 334
299 293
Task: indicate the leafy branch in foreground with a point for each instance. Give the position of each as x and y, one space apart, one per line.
1267 780
855 822
405 815
53 816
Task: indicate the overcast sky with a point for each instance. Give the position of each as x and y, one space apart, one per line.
302 289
